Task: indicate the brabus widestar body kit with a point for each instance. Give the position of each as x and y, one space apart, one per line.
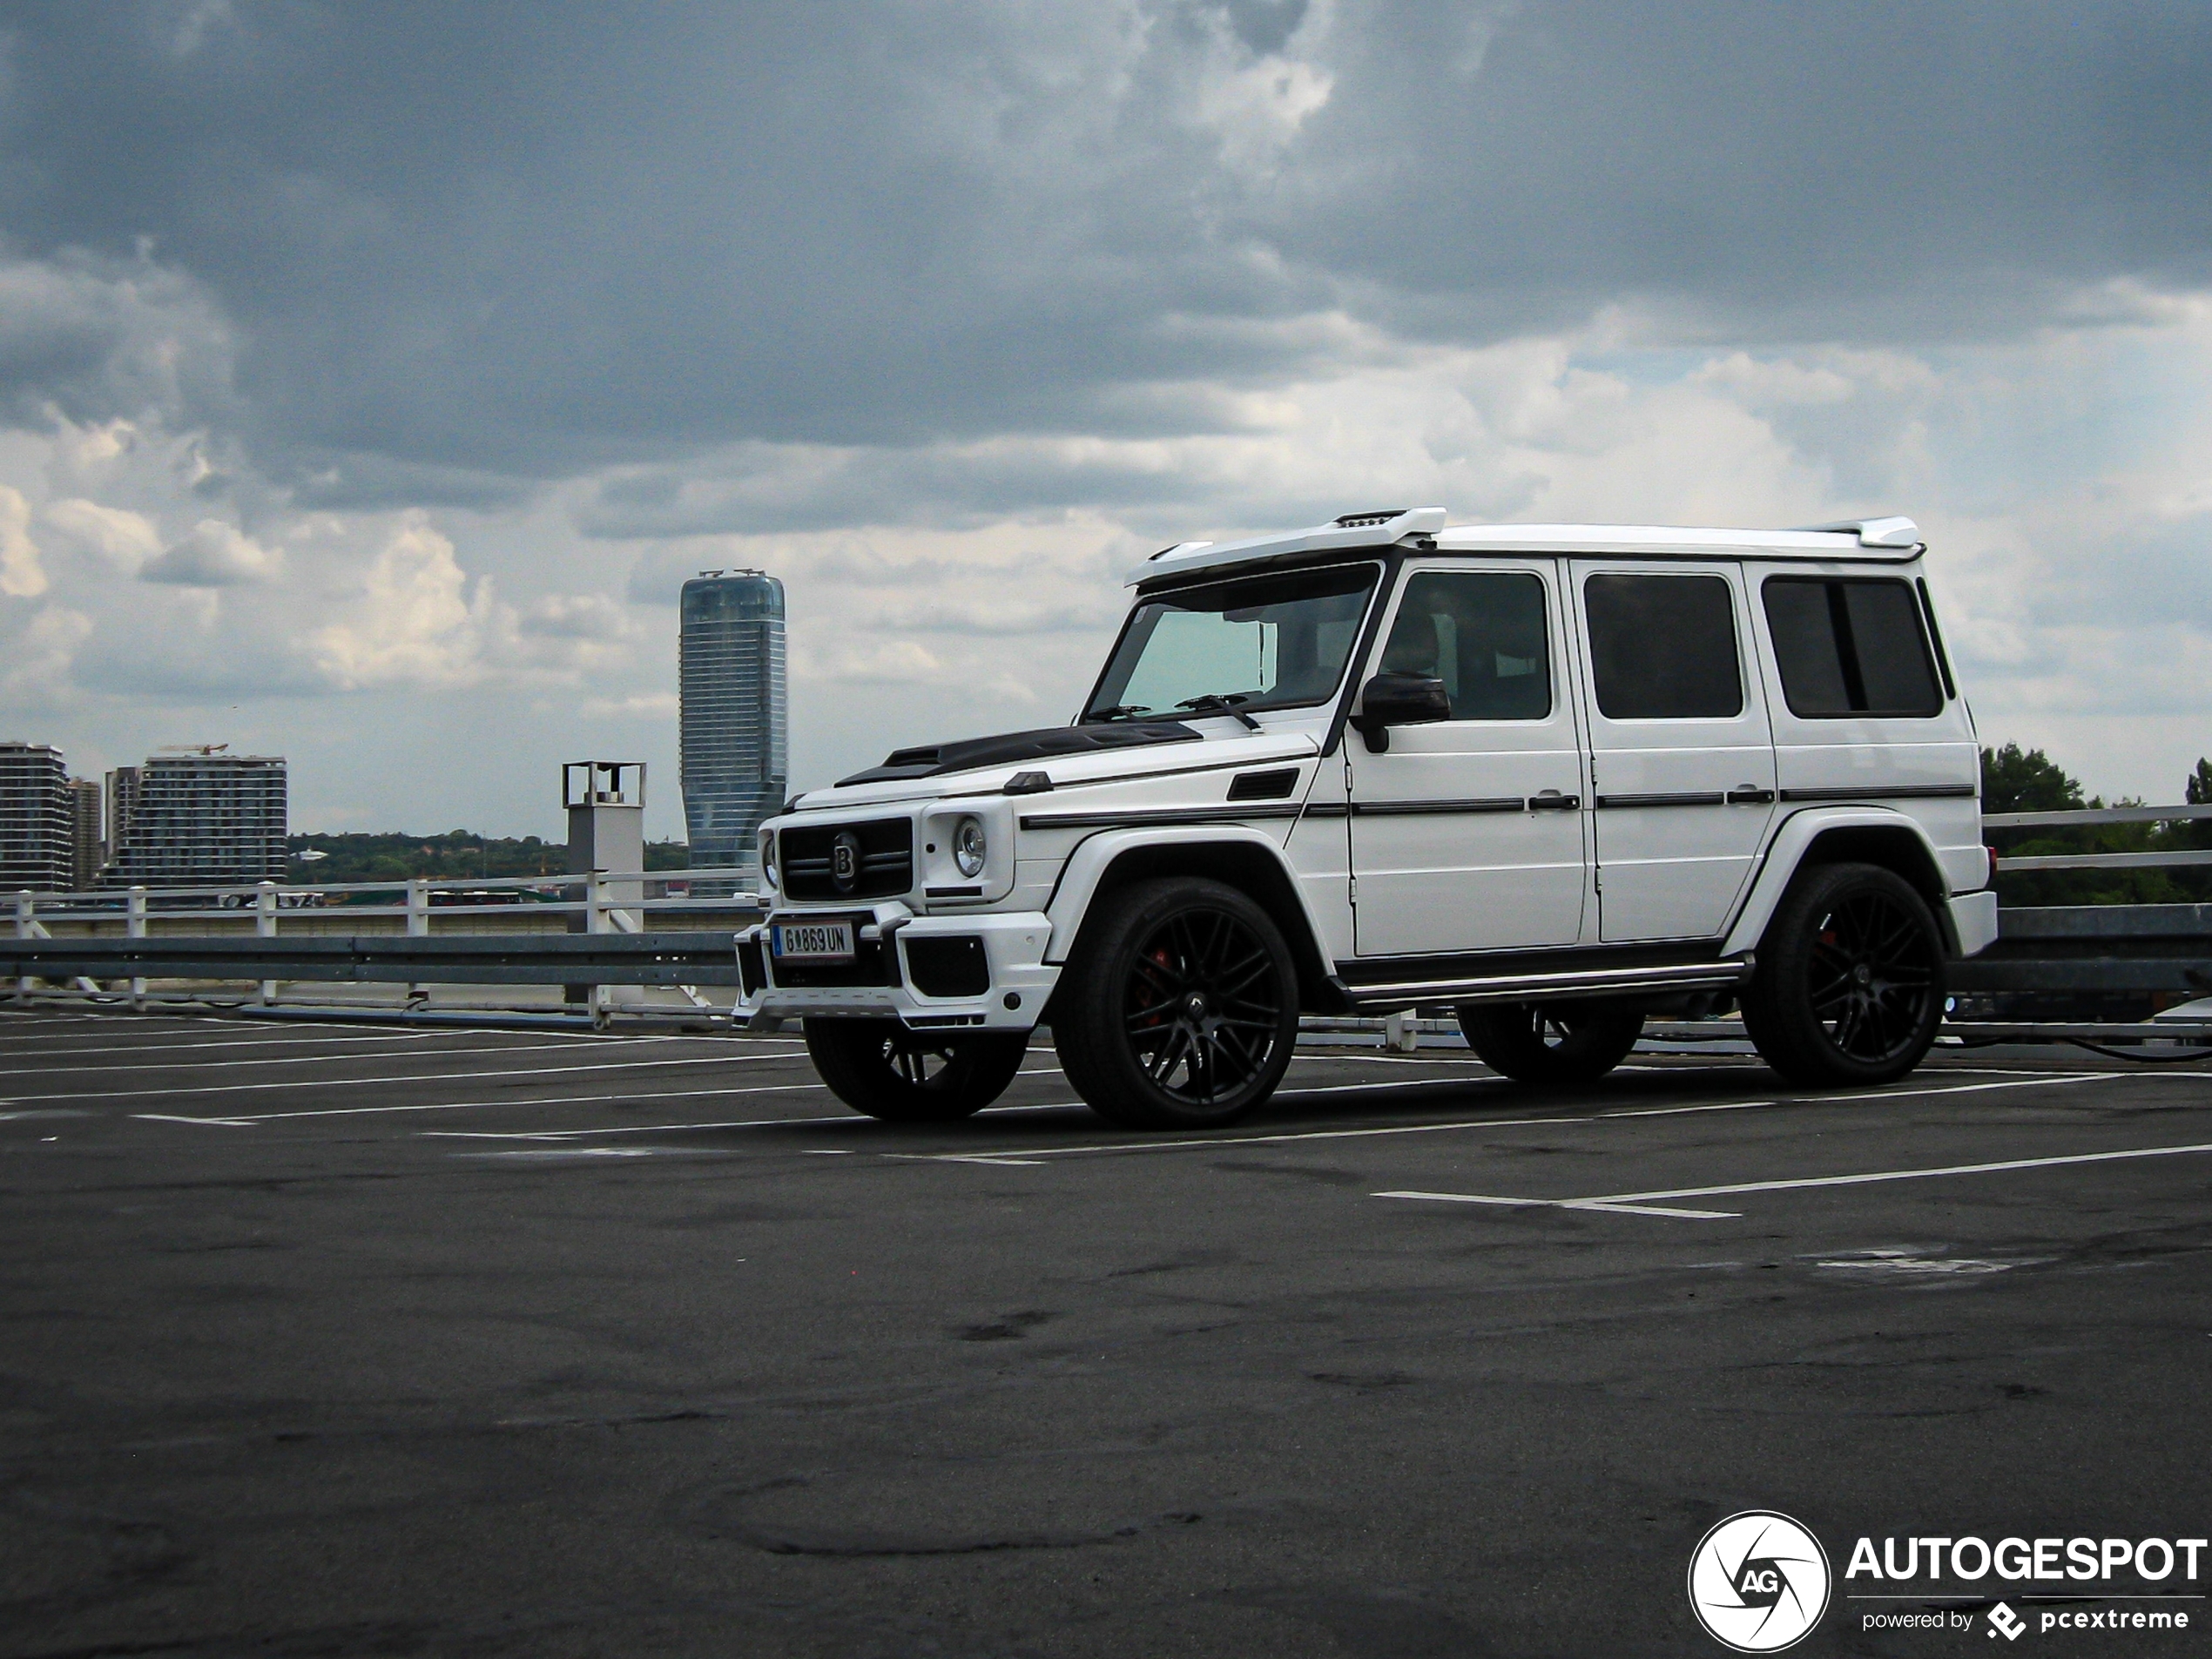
1554 779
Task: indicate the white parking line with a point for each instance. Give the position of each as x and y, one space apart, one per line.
325 1059
415 1077
1030 1154
856 1121
1646 1204
155 1045
245 1120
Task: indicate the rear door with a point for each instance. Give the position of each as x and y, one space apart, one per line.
1468 834
1682 755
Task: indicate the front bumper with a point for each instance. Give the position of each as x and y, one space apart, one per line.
884 981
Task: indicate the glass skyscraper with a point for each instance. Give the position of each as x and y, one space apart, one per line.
736 733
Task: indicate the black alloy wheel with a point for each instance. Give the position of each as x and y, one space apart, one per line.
1850 983
1180 1010
881 1068
1551 1044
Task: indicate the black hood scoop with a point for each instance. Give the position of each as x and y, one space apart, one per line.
1051 743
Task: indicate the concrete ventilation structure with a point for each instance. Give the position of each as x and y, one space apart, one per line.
34 818
198 818
735 768
88 851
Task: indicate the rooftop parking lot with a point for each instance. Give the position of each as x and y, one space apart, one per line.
332 1338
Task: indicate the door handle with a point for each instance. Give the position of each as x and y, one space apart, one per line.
1750 795
1552 801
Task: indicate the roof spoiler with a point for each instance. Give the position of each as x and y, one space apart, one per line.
1352 530
1872 532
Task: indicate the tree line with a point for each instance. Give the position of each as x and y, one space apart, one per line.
2028 780
457 856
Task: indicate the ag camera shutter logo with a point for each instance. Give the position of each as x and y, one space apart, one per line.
1758 1581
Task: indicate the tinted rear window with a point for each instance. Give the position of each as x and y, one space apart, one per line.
1663 647
1850 646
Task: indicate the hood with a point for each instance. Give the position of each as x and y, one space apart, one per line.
972 754
1059 756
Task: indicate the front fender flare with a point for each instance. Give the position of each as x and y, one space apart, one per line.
1087 865
1785 853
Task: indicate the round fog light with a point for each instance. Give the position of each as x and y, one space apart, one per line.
968 847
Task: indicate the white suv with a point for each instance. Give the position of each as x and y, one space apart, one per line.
1553 777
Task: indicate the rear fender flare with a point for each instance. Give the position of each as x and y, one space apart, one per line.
1786 854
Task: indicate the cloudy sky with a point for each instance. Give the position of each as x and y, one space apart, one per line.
371 375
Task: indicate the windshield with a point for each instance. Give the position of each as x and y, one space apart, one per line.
1264 641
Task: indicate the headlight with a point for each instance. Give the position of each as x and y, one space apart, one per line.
968 847
768 857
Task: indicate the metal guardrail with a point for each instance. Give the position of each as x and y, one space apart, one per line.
142 935
2091 817
459 959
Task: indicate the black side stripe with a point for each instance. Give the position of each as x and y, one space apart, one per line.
1157 815
1407 808
1886 791
1699 798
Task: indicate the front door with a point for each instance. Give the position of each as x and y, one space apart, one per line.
1468 834
1682 756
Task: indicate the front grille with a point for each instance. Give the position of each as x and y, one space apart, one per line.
806 853
871 965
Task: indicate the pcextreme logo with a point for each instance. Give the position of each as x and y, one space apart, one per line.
1758 1581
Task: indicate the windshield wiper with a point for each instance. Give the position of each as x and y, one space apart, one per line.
1119 711
1214 703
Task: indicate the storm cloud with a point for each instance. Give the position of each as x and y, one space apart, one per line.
584 294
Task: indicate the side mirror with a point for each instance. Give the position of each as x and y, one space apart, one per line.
1400 699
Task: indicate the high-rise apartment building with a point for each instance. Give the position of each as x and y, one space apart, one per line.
87 849
736 733
199 818
34 818
122 800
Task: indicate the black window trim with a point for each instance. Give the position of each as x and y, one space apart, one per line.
1408 572
1854 678
1363 638
1631 565
1935 638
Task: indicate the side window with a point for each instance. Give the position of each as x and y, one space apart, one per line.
1480 632
1663 647
1849 645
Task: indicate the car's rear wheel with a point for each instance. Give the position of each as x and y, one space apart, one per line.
903 1077
1180 1007
1850 983
1551 1044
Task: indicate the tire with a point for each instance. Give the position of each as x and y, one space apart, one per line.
1551 1045
1179 1009
881 1067
1850 984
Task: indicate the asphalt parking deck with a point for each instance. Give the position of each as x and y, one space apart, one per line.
332 1339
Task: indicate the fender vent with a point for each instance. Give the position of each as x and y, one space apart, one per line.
1279 784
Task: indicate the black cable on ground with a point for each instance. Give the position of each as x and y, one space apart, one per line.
2094 1048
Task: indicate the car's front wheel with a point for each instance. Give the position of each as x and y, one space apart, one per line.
1180 1007
1849 982
1551 1044
881 1068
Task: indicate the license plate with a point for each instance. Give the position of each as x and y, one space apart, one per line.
811 941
